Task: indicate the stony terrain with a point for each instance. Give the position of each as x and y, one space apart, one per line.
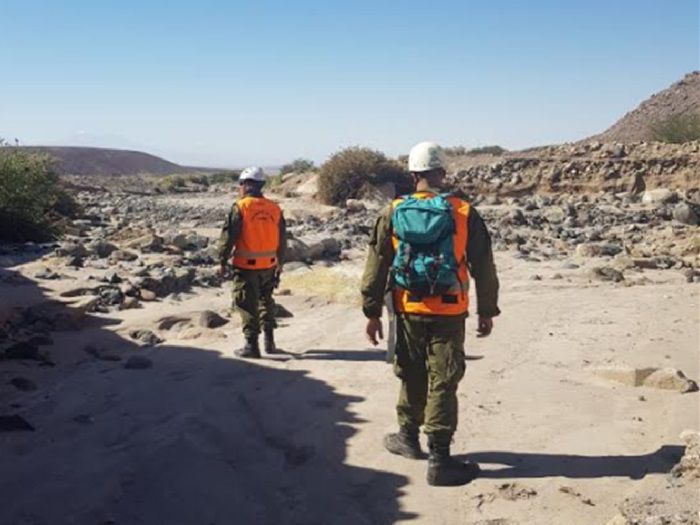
117 342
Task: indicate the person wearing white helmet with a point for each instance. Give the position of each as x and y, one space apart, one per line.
424 248
253 242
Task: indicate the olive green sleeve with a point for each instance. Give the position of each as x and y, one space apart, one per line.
229 234
379 257
282 249
482 267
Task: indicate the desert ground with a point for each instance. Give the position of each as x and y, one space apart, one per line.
128 405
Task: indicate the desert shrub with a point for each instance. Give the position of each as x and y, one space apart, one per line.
278 179
172 183
201 179
487 150
298 166
348 173
456 151
33 203
677 128
224 177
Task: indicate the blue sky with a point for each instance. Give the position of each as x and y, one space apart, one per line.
230 83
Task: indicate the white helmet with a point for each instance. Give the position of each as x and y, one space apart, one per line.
426 156
252 173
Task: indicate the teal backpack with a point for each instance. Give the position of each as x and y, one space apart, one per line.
424 263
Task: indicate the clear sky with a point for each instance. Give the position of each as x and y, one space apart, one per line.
230 83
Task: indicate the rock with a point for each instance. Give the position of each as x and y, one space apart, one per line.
355 205
606 273
645 263
138 362
169 280
297 251
46 273
23 384
145 337
112 277
187 241
328 248
689 465
516 218
670 379
598 249
123 255
146 243
659 196
130 303
72 249
148 295
661 378
685 214
101 248
209 319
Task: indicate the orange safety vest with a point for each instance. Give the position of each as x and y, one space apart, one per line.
454 302
257 245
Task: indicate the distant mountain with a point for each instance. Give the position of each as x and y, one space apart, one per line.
101 161
683 98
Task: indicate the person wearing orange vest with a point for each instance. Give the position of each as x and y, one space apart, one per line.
429 355
253 243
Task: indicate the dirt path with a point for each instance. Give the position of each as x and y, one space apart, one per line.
202 437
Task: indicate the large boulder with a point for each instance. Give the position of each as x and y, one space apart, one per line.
685 213
659 196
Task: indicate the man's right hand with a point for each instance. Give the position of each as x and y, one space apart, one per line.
374 329
224 271
485 326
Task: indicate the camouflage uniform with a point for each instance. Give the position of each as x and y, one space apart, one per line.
252 289
429 357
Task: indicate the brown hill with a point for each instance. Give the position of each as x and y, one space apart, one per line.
683 98
100 161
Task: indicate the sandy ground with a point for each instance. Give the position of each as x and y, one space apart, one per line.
205 438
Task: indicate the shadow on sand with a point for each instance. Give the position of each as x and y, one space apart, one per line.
535 465
344 355
193 439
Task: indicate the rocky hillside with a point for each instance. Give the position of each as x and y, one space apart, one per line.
683 97
587 167
101 161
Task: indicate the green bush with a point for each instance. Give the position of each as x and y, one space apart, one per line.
224 177
677 128
298 166
33 204
348 173
487 150
171 183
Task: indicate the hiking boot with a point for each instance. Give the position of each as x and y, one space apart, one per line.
404 443
446 471
251 349
270 347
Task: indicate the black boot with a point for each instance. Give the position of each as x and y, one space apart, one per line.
404 443
270 347
250 349
446 471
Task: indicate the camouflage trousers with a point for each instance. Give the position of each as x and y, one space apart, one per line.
252 298
430 362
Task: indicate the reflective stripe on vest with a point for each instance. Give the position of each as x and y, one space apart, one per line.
257 245
455 302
